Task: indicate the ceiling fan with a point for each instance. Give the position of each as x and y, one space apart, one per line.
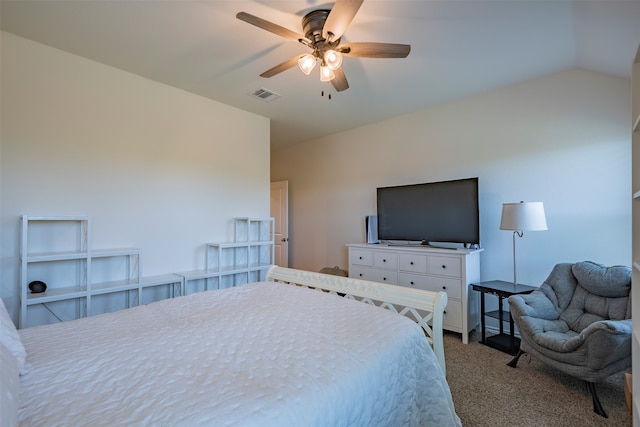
323 29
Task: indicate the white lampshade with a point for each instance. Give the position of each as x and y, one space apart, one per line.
523 216
307 63
326 73
333 59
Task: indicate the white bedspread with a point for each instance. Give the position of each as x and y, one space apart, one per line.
264 354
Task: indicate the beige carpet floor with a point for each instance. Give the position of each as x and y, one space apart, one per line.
487 392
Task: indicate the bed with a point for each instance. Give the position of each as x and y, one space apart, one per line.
298 349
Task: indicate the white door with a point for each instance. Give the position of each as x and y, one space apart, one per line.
280 213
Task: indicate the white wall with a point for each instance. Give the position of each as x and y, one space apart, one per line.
563 140
154 167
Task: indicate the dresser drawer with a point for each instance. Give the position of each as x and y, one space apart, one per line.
374 275
360 257
452 315
413 263
453 287
385 260
445 266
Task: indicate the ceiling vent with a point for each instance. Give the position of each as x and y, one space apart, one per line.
265 95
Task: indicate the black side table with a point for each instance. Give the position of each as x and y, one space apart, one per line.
503 342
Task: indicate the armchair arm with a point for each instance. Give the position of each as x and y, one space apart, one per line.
607 341
615 327
536 304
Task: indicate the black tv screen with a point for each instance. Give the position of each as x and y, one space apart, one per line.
444 211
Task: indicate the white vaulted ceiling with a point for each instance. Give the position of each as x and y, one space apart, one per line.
458 48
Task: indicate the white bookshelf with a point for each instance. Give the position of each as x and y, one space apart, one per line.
229 264
81 281
57 251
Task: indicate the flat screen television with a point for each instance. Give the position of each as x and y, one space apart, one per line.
446 211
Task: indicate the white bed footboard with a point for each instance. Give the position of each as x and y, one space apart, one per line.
425 307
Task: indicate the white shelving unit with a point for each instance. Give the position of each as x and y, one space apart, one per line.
84 282
635 188
173 284
248 258
229 264
199 280
80 281
57 251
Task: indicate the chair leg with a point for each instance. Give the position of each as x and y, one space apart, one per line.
514 361
597 407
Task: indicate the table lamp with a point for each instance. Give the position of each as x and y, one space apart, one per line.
521 217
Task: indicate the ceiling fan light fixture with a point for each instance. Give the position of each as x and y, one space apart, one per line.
326 73
323 29
307 63
333 59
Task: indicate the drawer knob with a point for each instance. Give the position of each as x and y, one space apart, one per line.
360 257
360 274
444 287
411 263
384 278
444 266
384 260
412 283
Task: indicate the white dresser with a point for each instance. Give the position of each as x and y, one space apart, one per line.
448 270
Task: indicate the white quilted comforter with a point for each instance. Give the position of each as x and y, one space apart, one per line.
264 354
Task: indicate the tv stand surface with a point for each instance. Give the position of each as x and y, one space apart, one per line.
413 245
428 268
431 245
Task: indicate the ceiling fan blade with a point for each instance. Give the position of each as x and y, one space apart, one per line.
271 27
281 67
339 18
375 50
339 82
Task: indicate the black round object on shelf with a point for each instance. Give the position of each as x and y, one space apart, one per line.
37 286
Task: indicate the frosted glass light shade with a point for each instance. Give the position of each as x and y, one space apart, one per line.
333 59
326 73
523 216
307 63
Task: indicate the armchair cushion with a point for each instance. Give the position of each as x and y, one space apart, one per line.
602 294
612 282
560 286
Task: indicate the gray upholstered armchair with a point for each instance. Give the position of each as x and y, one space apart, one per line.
579 322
